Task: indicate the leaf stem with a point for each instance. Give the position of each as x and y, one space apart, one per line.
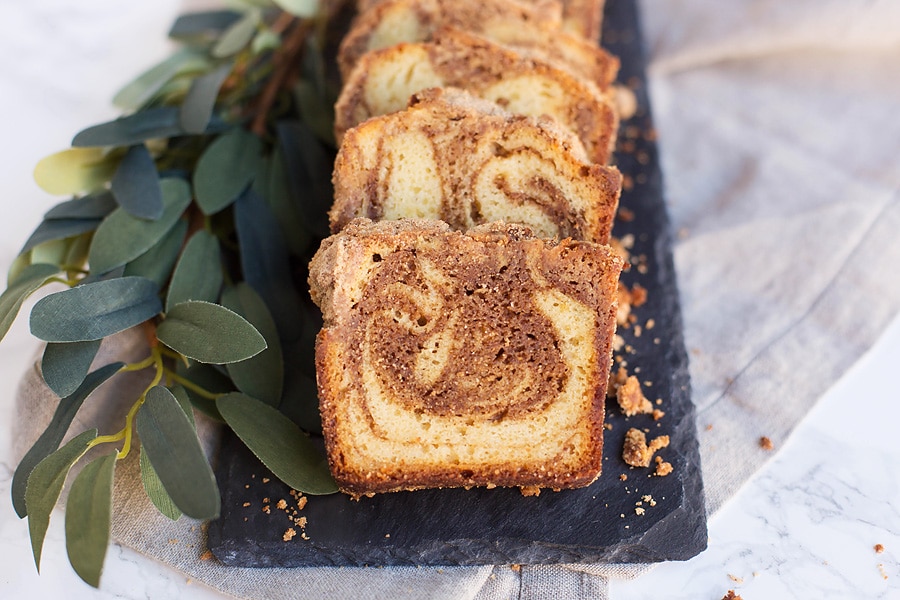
192 386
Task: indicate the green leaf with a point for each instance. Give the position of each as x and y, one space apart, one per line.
172 446
299 8
146 125
265 262
198 105
265 41
88 511
121 237
198 275
53 252
18 266
136 94
29 280
152 485
92 206
209 333
237 36
135 185
156 264
95 310
278 443
225 169
272 184
263 375
203 23
49 441
74 171
45 484
309 166
65 366
156 491
58 229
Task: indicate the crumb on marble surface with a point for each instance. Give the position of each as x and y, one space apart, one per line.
765 443
879 548
730 595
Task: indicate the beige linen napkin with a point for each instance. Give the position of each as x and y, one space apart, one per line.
779 140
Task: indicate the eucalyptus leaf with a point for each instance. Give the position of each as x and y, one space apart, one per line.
265 41
265 262
154 123
156 491
88 512
58 229
184 401
309 166
197 108
135 186
18 266
53 252
140 91
50 439
203 23
198 275
45 484
225 169
173 448
156 264
272 184
209 333
237 36
28 281
74 170
92 206
278 443
95 310
121 237
263 375
299 8
65 366
78 251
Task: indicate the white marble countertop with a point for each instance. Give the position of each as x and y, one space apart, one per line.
805 526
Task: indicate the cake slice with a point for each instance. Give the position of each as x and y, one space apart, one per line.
454 359
463 160
384 80
533 30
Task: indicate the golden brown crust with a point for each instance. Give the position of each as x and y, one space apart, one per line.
453 157
384 80
456 360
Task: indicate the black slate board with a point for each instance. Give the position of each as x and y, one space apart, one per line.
597 524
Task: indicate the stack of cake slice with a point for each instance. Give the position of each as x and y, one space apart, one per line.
468 292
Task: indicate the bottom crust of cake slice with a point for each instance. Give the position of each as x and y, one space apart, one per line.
455 359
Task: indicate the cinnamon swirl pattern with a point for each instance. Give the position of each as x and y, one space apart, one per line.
384 80
453 157
451 359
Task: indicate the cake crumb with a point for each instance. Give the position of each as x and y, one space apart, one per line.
765 443
173 541
281 505
663 468
637 452
879 548
623 477
266 480
631 398
206 555
515 568
658 414
289 534
881 570
530 490
616 380
639 510
245 504
730 595
648 499
736 579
